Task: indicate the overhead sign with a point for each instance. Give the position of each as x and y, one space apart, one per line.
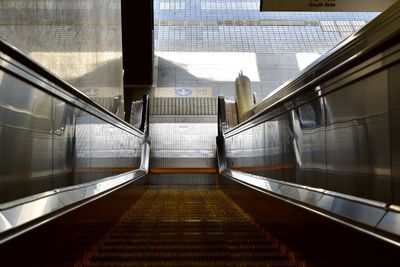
183 92
326 5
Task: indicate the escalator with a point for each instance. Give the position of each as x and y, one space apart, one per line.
142 225
298 182
187 227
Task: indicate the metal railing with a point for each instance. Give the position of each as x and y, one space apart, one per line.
326 140
59 149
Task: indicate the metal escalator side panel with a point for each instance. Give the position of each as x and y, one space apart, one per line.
59 149
326 141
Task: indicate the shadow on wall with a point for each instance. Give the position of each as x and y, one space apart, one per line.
273 71
171 74
107 75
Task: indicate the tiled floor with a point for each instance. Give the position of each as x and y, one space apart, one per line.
206 43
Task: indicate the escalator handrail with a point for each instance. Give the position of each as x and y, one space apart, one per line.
21 215
381 32
62 200
375 218
372 217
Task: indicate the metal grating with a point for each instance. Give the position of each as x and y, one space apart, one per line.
183 106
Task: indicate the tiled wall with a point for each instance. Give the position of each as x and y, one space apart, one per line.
79 40
237 28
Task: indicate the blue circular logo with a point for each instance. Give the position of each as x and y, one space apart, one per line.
183 91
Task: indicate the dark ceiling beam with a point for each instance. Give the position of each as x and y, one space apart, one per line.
137 49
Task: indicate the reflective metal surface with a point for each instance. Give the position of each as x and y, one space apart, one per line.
48 143
391 221
337 138
357 139
136 113
359 213
328 140
26 138
394 105
57 149
339 142
25 68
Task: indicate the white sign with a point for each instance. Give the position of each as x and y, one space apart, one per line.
326 5
183 92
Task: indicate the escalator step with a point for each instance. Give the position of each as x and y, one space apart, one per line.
181 227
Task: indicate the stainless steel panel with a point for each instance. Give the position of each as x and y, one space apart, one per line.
343 208
274 148
51 84
19 212
358 148
337 123
103 150
288 149
303 195
247 149
26 139
74 194
51 139
354 148
394 103
270 185
4 224
43 146
28 211
136 113
350 209
391 221
309 144
261 149
63 143
145 157
231 115
356 212
113 148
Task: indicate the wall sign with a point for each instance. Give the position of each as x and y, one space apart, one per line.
326 5
183 92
